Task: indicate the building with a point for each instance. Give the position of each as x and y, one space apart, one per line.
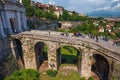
44 7
58 10
108 28
101 29
12 17
70 12
82 14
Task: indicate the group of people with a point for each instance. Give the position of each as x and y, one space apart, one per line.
95 37
116 42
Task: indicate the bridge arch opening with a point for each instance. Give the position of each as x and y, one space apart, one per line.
18 52
69 55
41 56
100 67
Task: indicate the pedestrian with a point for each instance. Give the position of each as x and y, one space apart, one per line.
49 31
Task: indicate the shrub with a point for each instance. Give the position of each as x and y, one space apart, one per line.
24 74
82 78
52 73
91 78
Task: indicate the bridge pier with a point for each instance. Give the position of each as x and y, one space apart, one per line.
86 63
52 57
29 54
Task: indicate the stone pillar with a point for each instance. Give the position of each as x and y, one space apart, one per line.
24 21
1 29
7 22
18 27
86 63
29 53
52 58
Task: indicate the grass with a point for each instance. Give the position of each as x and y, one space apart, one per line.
68 50
69 54
60 76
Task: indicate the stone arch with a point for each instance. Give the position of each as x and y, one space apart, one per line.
18 52
41 53
78 56
100 67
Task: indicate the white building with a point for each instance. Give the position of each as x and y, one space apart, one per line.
12 17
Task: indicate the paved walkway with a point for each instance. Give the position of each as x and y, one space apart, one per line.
57 36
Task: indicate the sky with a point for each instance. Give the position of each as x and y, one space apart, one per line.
85 6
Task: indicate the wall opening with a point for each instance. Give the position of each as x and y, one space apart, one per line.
18 52
100 67
41 56
12 23
69 55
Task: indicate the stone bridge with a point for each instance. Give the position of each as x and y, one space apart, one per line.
93 58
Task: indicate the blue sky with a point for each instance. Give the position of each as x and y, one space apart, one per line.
84 6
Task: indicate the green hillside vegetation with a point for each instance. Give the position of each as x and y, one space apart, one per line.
34 11
89 28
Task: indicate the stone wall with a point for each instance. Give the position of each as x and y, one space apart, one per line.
8 63
42 25
87 47
5 47
67 25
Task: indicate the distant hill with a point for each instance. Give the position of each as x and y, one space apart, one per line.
103 13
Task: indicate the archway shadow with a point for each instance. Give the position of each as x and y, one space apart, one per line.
100 67
18 52
41 56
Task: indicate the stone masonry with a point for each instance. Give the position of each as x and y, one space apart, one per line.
54 40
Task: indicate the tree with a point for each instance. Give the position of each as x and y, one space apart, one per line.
30 10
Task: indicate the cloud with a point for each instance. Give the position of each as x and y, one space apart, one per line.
38 1
114 5
52 2
115 0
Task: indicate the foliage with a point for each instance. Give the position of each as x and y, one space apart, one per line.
24 74
52 73
63 74
91 78
30 10
118 34
83 78
34 11
72 17
68 50
86 27
69 54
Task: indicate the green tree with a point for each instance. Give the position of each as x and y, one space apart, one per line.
30 10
